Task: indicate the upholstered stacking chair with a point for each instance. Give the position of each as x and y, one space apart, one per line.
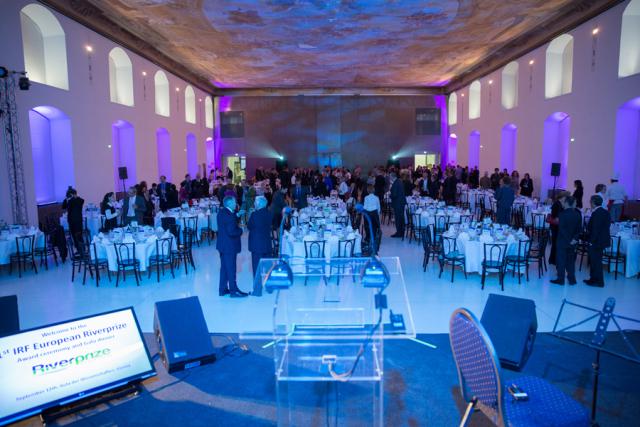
482 386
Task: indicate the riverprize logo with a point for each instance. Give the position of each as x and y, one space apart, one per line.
48 368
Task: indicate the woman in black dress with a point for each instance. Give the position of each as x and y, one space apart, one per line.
553 221
526 186
578 193
108 209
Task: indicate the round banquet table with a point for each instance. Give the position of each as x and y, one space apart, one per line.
179 215
8 241
145 245
293 246
92 218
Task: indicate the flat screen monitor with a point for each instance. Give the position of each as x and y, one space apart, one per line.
57 364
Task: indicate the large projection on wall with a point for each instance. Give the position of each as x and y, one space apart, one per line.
47 366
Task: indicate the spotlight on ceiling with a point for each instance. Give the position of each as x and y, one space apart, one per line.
144 73
490 82
595 31
88 48
531 62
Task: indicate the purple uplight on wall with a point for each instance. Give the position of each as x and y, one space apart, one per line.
555 149
163 145
52 151
441 103
452 149
474 149
626 162
192 155
124 152
508 146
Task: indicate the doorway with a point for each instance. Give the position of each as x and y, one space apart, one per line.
238 165
425 159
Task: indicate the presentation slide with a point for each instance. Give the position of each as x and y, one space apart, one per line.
52 364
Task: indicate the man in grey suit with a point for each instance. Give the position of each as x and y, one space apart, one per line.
133 207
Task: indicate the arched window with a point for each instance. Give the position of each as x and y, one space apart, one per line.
210 146
120 77
629 62
208 112
508 147
510 85
474 149
52 151
555 149
452 149
124 153
474 100
189 105
192 155
559 66
44 47
453 109
162 94
163 145
627 147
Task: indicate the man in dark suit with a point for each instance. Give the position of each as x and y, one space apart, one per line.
398 202
73 205
598 238
277 204
504 201
228 244
133 207
379 185
299 195
163 188
259 226
569 228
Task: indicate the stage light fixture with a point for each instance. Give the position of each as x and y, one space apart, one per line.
531 62
490 82
595 31
88 48
144 73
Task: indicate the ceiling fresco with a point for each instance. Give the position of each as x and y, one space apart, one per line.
329 43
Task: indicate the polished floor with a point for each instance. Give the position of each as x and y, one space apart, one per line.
50 296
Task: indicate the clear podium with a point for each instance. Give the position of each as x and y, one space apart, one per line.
330 320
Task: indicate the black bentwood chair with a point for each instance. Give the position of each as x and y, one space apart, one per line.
493 261
162 257
25 254
127 261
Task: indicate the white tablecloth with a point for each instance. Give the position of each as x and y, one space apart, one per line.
93 221
630 246
474 249
105 248
8 243
202 219
293 247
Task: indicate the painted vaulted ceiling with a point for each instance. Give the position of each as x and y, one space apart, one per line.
329 43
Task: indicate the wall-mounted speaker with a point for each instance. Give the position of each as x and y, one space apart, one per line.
555 169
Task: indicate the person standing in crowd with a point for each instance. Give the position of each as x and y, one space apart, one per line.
552 219
434 186
163 188
617 196
379 184
172 197
108 209
569 229
601 190
228 245
449 188
598 238
515 181
526 186
495 179
299 195
133 208
259 227
372 206
147 218
398 201
73 205
277 204
578 193
504 198
485 181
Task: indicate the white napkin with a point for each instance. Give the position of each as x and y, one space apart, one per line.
486 238
463 236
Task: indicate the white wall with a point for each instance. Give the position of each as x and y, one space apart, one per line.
92 114
596 96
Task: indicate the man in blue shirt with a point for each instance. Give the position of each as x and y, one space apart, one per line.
228 244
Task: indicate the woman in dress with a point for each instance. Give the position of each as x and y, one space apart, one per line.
110 212
526 186
578 193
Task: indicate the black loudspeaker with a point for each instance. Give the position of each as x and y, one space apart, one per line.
512 325
555 169
9 320
122 172
182 334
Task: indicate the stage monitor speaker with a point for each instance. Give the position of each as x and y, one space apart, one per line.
182 334
122 172
9 320
512 325
555 169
